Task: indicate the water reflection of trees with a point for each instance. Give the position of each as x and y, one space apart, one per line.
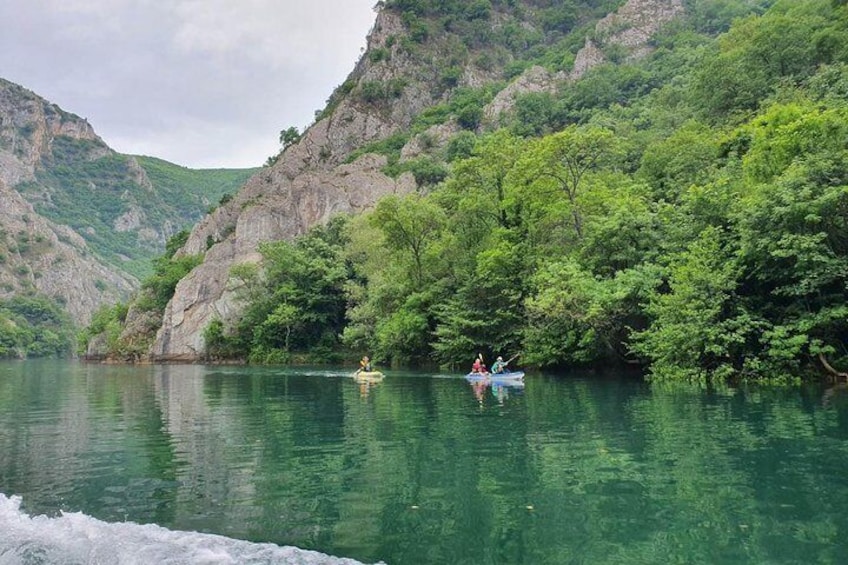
572 469
741 476
583 469
84 438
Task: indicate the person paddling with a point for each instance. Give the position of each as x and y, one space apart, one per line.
364 365
499 366
478 366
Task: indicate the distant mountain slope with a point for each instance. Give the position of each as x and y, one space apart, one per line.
125 207
38 256
192 193
68 200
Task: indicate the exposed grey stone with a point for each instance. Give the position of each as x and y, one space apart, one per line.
55 262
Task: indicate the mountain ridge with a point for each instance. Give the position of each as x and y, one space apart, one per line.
69 197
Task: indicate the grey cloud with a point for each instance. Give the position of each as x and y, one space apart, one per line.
201 83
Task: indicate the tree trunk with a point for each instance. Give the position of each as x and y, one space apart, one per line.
830 369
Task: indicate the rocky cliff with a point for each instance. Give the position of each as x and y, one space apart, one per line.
56 161
38 255
631 28
28 126
311 180
71 202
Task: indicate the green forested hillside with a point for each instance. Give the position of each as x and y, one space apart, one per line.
85 185
192 192
687 212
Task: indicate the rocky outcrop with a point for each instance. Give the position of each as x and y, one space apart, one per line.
28 125
637 21
589 57
632 26
310 182
37 255
274 208
534 79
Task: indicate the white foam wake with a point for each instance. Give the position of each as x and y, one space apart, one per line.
75 538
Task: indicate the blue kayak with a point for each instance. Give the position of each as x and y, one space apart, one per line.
511 376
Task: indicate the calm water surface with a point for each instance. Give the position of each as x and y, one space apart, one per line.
424 468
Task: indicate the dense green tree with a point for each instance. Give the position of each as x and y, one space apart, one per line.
793 232
563 160
602 87
410 225
299 307
693 328
577 318
397 255
159 287
785 45
686 157
536 113
289 137
623 229
486 312
477 190
34 326
107 322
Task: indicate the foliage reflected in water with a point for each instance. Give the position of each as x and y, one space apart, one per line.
426 469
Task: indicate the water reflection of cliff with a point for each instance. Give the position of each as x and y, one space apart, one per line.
214 455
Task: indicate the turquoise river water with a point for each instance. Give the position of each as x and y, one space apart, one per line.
193 464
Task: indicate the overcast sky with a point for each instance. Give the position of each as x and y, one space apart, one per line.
200 83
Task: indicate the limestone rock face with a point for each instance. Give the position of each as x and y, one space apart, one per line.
589 57
37 254
437 137
534 79
28 124
310 181
271 207
635 22
632 26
